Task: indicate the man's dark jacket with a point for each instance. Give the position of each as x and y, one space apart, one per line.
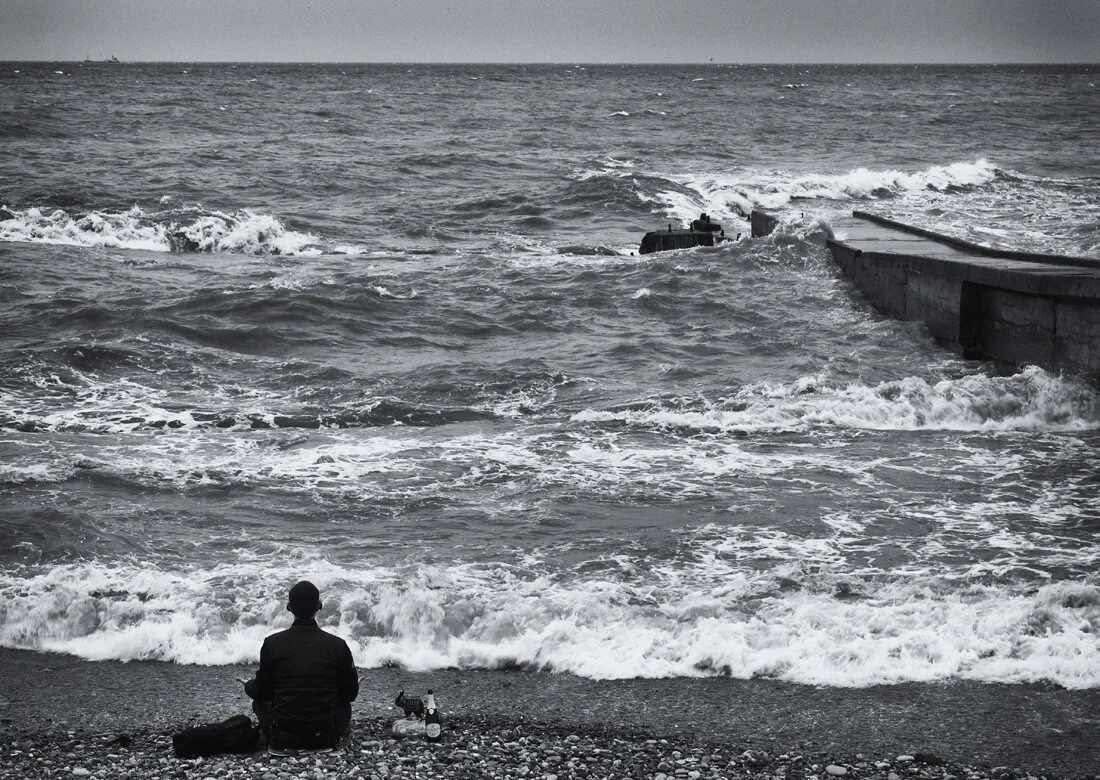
308 676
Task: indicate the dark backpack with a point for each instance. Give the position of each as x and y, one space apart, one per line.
235 735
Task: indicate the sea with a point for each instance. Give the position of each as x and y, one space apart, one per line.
385 328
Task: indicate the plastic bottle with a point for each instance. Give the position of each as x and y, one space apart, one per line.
411 728
433 724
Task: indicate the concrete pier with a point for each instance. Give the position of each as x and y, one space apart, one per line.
1012 307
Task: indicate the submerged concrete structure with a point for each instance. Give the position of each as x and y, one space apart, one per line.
664 240
762 223
1012 307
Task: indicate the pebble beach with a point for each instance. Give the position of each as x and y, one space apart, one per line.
476 750
65 717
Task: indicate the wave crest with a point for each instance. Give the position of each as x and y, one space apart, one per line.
785 624
736 195
1032 400
243 232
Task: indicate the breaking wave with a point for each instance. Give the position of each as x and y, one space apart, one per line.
242 232
706 619
1032 400
736 195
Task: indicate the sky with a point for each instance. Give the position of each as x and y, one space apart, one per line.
735 31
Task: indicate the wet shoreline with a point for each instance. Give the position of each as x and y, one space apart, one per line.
1043 730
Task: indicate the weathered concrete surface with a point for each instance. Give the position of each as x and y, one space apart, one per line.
1012 307
978 249
664 240
762 223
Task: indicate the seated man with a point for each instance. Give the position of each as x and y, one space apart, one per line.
303 690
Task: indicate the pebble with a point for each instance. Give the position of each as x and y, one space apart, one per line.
476 751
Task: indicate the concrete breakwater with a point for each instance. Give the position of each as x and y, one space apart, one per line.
1017 308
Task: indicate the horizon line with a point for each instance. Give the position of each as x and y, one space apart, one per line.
561 63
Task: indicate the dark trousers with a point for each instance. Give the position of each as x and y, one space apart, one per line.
287 738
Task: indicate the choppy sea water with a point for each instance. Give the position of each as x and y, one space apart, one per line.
382 327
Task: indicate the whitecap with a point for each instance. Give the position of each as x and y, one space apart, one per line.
689 619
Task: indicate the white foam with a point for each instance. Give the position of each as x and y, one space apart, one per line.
118 406
126 230
710 617
384 292
32 471
295 280
1032 400
537 254
243 232
400 463
735 195
606 166
86 402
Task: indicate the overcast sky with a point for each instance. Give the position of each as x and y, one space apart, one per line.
554 30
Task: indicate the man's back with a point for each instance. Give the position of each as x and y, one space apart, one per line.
308 676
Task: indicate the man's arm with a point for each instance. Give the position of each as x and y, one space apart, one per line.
348 685
265 676
249 687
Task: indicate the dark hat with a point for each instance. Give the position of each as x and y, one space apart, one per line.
304 599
